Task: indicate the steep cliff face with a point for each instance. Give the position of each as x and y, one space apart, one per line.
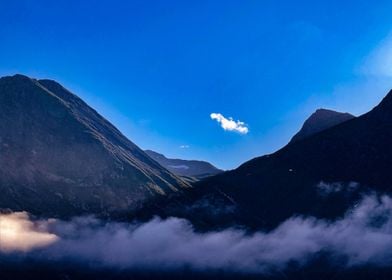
59 156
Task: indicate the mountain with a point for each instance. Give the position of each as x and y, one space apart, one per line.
189 168
321 120
322 175
60 157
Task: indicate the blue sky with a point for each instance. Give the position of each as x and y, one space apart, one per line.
159 69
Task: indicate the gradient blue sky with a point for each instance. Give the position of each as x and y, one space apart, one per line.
158 69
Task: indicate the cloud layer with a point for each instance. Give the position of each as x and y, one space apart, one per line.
363 236
229 124
17 232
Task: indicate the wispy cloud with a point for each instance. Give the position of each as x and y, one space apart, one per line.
184 147
229 124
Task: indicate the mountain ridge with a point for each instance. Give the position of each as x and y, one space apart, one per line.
59 155
355 155
191 168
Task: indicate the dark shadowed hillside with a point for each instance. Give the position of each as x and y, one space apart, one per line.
321 175
189 168
59 156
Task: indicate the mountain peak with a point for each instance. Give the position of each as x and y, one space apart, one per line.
320 120
15 78
324 110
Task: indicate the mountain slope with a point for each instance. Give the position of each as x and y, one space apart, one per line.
59 156
190 168
322 175
321 120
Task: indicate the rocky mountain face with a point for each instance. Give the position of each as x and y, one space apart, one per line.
321 120
58 156
189 168
322 175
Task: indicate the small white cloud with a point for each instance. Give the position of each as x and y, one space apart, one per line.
229 124
184 147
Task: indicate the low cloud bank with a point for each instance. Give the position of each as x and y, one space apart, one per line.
229 124
18 233
363 236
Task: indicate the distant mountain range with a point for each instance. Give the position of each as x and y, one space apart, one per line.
60 157
189 168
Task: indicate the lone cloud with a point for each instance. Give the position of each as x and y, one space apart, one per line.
229 124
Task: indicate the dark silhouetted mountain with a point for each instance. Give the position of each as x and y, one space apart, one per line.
59 156
321 175
321 120
188 168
